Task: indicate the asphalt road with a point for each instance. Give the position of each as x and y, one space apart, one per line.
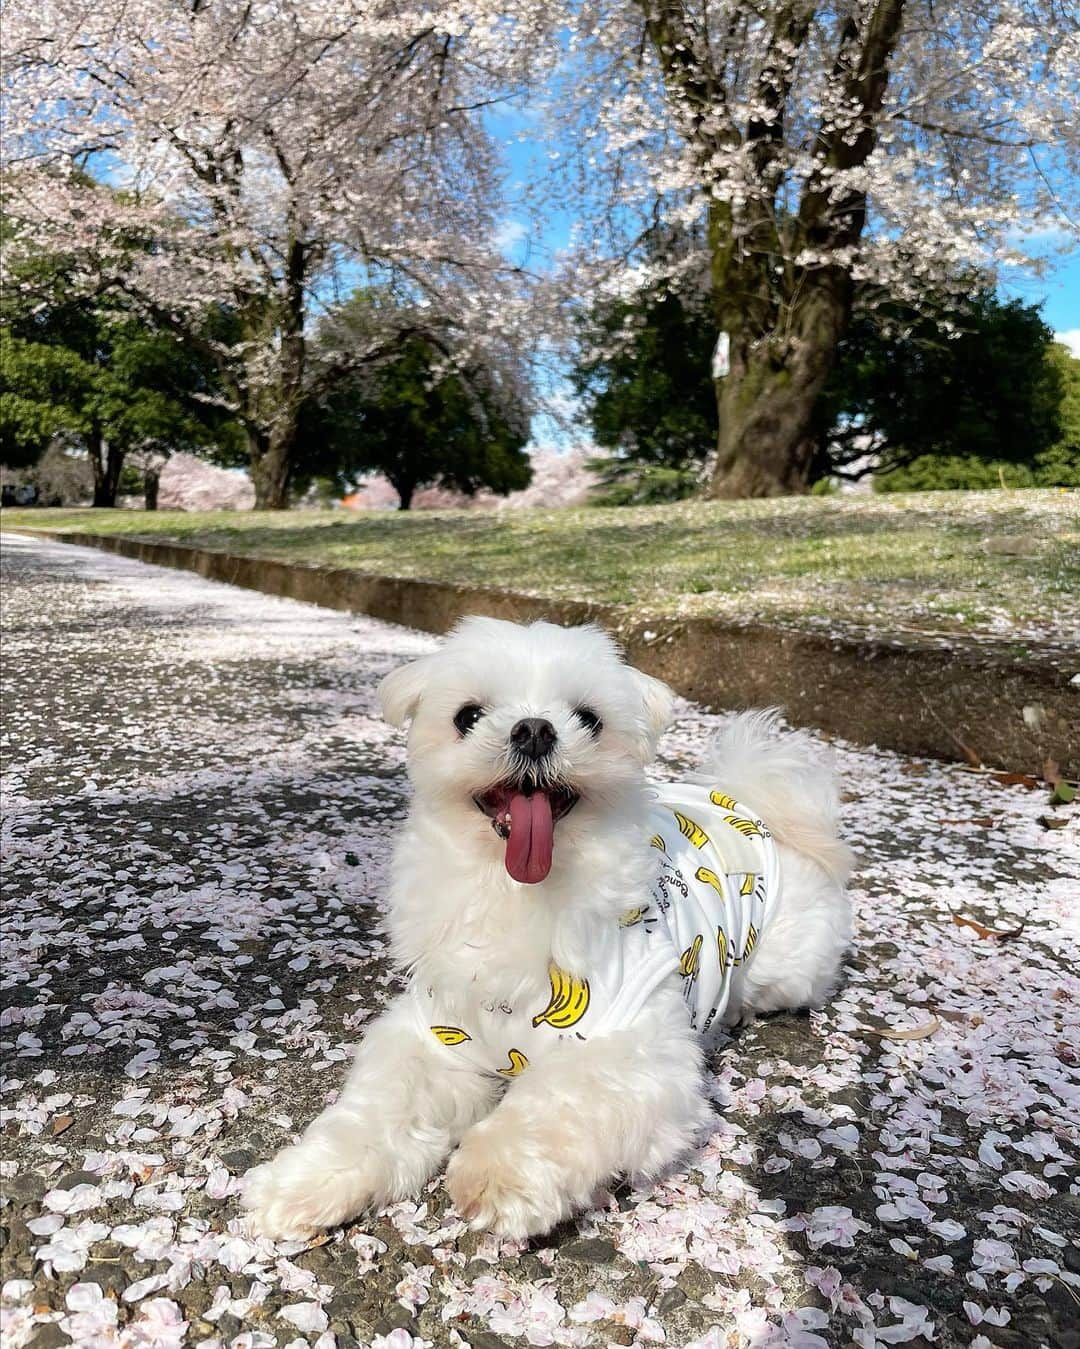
199 801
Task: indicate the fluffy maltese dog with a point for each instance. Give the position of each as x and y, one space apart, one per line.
572 933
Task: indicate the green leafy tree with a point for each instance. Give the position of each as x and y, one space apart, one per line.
642 375
99 378
420 426
1058 465
644 381
36 384
987 390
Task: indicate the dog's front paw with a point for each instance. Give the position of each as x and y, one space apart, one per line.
505 1189
303 1192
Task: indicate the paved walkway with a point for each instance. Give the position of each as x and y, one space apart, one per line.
200 797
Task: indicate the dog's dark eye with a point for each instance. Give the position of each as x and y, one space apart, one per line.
465 718
590 720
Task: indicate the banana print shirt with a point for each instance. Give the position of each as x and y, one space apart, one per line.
711 900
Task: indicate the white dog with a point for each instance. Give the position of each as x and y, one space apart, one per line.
564 925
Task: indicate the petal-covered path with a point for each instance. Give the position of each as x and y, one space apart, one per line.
199 801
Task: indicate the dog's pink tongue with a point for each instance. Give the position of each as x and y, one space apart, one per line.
528 849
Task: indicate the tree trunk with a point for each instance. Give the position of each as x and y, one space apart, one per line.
271 467
768 438
107 463
761 446
273 450
785 319
151 483
405 492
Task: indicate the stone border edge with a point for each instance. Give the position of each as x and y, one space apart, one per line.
919 699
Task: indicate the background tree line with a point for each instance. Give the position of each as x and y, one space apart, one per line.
978 395
106 382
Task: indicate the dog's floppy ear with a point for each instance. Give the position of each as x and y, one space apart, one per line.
402 689
656 700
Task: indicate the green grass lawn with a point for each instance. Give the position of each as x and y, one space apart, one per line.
1004 564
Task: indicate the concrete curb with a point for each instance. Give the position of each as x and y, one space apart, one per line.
918 698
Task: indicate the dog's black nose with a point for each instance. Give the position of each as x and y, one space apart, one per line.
534 737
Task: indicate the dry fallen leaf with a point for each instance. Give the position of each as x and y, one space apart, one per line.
1027 780
1002 934
1053 821
62 1122
983 821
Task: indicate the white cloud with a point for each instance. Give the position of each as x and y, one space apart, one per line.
1070 338
508 234
1043 235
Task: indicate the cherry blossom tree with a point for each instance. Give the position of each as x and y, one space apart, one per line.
823 149
234 167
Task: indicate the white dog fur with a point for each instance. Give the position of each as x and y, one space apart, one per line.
525 1154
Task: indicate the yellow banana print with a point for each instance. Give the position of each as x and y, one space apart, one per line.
745 827
569 1000
724 802
658 842
721 947
691 958
747 887
710 878
694 832
450 1035
632 917
518 1064
751 940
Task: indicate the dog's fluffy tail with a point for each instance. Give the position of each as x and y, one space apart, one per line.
788 780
